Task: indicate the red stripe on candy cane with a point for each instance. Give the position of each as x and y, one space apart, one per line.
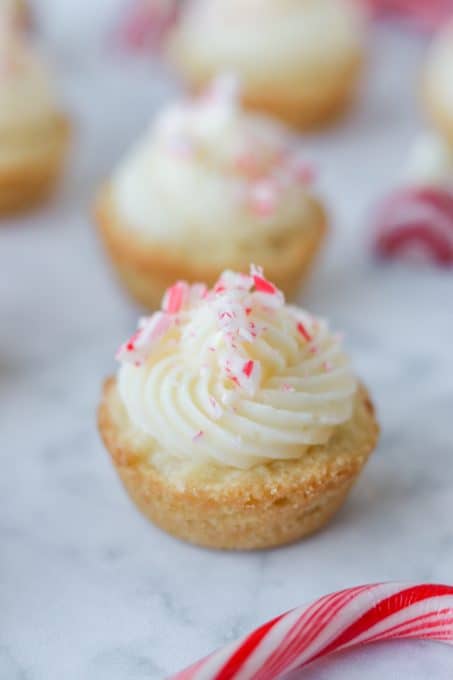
342 620
416 223
236 661
380 611
304 637
312 617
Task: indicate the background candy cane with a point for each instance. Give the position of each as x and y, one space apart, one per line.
425 14
416 223
357 616
145 23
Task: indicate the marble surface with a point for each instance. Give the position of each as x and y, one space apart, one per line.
88 589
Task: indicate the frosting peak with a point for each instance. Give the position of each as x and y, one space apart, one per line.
215 129
26 92
233 375
206 156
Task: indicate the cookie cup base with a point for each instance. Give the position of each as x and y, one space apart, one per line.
147 269
226 508
25 184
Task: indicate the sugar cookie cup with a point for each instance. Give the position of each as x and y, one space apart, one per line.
437 84
34 133
31 163
300 61
211 187
235 421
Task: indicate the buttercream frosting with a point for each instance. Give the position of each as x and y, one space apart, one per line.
209 169
233 376
260 37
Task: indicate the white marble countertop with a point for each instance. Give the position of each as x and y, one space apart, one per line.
88 589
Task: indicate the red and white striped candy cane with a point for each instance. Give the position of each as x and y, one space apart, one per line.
425 14
146 23
357 616
416 223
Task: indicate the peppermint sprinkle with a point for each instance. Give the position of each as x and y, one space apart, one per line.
327 366
198 436
175 297
288 388
303 331
248 368
263 198
216 409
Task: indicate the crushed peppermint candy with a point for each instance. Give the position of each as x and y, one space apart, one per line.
288 388
263 155
303 331
264 197
198 436
230 305
216 409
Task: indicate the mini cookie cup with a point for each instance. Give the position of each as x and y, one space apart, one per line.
226 508
31 178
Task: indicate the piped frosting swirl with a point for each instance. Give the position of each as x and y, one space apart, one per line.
234 376
209 156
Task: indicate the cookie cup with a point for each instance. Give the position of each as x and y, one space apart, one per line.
147 268
32 164
227 508
437 111
302 97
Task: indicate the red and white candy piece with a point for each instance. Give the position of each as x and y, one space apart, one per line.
416 223
425 14
353 617
146 23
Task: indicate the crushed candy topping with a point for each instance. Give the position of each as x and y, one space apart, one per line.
231 302
303 331
265 156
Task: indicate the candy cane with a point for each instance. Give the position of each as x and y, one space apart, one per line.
416 222
357 616
146 23
425 14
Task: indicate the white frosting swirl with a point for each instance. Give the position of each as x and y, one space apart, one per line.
259 38
440 69
26 93
209 157
235 376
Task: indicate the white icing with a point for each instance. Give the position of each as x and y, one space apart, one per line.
208 171
259 37
236 378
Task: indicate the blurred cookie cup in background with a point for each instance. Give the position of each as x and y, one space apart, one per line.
298 60
34 131
211 186
437 84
